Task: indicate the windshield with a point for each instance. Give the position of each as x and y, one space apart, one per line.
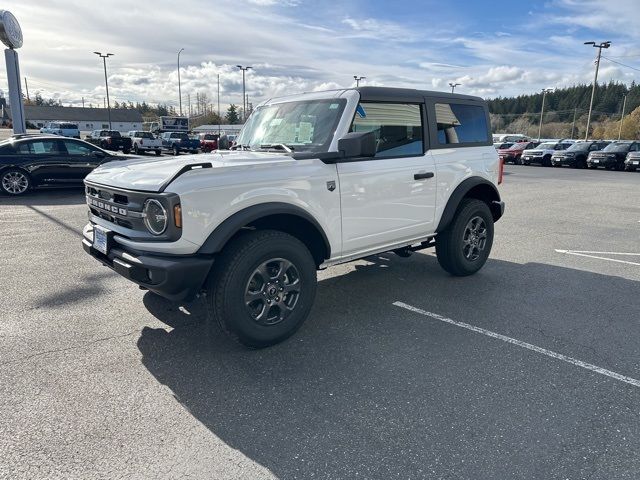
70 126
114 133
546 146
617 147
579 147
209 137
145 135
181 136
519 146
302 126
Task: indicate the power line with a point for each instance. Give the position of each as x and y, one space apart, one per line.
624 65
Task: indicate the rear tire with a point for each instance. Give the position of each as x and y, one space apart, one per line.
262 288
157 153
176 150
464 246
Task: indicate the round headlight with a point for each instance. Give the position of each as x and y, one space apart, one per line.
155 216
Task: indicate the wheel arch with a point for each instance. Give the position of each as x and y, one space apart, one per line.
473 187
285 217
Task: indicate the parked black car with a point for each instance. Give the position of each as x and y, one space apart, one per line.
632 163
109 140
612 157
29 161
576 155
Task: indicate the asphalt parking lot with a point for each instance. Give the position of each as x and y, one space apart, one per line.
385 380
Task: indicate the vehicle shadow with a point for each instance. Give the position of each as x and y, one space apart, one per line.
367 389
46 197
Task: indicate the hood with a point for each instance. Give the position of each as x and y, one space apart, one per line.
153 175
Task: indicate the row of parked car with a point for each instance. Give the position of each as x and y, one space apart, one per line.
608 154
142 142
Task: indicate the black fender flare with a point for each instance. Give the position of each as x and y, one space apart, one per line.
232 225
486 192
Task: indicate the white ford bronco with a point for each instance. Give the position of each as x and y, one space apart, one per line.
315 180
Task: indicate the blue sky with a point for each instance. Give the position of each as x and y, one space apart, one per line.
495 48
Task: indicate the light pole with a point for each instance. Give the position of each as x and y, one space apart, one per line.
244 94
624 104
544 94
106 82
600 46
453 86
179 89
357 79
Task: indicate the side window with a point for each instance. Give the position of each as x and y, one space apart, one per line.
77 148
397 126
459 123
46 147
594 147
24 148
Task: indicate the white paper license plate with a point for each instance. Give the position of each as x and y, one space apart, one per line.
101 239
636 162
596 161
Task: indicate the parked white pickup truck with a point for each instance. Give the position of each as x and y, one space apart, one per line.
143 142
316 180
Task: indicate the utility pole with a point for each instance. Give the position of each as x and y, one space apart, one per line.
179 90
26 87
573 125
624 104
453 86
544 94
357 79
244 92
219 117
600 46
106 82
189 103
82 102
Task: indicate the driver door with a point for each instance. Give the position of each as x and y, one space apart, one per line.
390 198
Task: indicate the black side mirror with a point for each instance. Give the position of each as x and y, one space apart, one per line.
358 144
99 154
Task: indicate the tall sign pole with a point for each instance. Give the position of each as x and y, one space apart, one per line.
11 36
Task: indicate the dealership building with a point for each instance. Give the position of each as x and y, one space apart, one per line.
87 119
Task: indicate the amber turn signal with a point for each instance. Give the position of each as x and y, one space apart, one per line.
177 215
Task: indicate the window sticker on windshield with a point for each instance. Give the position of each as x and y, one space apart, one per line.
360 111
275 122
333 106
304 132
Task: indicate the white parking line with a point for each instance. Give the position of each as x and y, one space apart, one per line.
528 346
588 254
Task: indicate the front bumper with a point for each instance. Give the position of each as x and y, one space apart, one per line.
532 158
175 277
602 162
564 161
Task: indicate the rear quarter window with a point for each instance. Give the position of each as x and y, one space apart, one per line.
461 124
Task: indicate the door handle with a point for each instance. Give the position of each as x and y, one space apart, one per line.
421 176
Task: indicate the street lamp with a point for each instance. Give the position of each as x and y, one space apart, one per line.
179 90
106 83
244 94
544 94
600 46
357 79
454 85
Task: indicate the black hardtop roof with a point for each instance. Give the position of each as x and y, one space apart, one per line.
392 94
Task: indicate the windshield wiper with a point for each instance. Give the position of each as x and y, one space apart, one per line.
240 147
280 146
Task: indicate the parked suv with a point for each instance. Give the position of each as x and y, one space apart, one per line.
513 154
542 153
632 163
612 156
317 179
63 129
576 155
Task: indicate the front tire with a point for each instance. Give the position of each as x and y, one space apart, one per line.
15 182
464 246
158 153
262 288
136 150
176 150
